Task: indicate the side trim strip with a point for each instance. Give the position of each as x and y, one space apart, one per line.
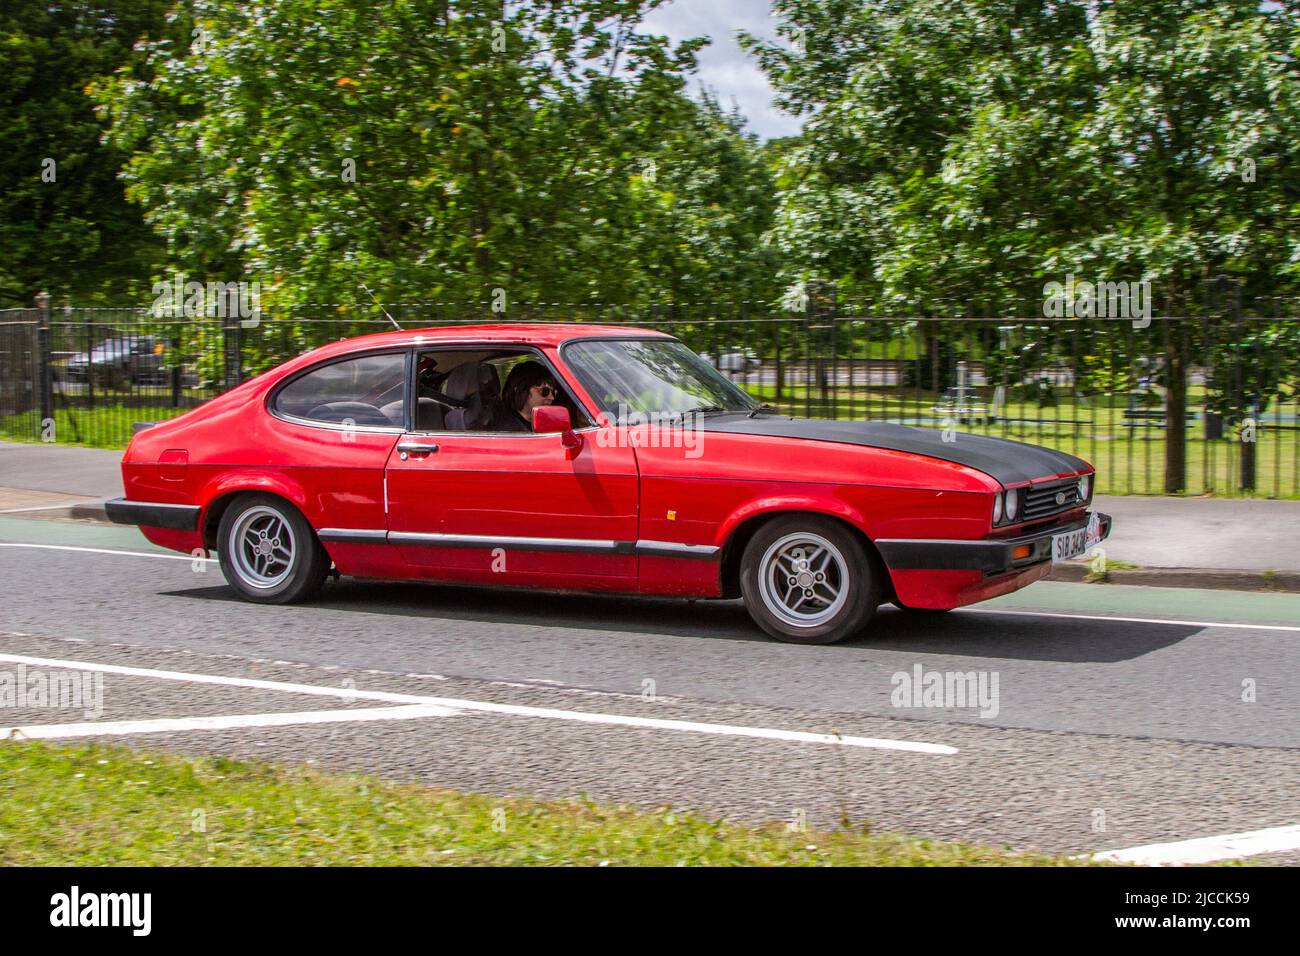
575 545
354 535
649 549
153 514
671 549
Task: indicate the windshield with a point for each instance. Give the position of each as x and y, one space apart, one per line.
652 377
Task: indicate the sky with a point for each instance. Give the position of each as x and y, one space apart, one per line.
726 68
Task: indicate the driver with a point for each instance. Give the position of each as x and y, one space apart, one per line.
529 385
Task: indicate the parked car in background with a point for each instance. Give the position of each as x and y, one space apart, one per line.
643 470
743 360
964 405
118 362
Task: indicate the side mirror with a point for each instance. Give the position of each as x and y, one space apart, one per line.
548 419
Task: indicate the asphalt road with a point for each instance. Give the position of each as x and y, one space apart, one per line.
1118 717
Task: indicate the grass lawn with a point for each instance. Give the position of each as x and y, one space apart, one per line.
94 806
104 426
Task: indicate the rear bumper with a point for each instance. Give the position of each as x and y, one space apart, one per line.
153 514
988 556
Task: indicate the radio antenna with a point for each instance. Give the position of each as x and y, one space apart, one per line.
382 309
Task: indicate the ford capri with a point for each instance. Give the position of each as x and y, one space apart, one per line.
593 459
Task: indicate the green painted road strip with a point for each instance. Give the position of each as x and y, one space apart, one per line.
1239 607
80 534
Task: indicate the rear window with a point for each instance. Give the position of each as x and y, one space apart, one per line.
368 391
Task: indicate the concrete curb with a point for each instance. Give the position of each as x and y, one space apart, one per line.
93 511
1210 578
83 511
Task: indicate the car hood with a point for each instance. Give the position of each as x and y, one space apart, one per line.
1008 461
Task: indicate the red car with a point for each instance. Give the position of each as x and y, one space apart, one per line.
629 465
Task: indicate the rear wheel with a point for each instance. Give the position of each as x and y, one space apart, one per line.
809 580
269 553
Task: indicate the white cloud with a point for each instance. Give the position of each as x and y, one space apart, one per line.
724 66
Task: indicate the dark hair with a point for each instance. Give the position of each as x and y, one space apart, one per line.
521 379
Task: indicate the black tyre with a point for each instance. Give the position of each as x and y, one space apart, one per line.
809 580
269 553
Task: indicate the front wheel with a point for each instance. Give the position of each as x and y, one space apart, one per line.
269 553
809 580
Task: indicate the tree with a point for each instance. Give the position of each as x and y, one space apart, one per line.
65 224
437 152
957 157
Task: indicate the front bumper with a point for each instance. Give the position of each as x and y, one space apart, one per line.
989 556
153 514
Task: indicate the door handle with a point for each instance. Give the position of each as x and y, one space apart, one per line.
408 448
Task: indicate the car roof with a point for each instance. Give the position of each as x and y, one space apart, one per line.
524 333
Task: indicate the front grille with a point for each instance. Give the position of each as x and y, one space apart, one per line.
1040 500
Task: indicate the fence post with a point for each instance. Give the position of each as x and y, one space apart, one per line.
777 327
1175 408
807 362
90 351
233 345
44 365
174 358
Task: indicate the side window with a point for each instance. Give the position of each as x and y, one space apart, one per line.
366 391
463 390
507 364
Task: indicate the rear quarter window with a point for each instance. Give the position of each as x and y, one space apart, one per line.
365 391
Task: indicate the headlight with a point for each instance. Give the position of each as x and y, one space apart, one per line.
1084 483
997 508
1013 505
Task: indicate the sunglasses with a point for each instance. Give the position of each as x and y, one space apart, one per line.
546 391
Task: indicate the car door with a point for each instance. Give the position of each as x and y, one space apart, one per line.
332 427
508 507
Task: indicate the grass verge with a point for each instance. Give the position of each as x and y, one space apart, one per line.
1101 575
94 806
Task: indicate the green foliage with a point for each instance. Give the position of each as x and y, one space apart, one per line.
955 157
551 152
65 226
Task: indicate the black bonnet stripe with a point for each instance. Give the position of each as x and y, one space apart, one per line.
1007 461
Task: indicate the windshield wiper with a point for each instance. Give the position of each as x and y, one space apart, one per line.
703 410
770 410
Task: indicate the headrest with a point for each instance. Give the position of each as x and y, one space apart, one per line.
463 381
489 382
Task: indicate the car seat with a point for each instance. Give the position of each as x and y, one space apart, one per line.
464 385
428 415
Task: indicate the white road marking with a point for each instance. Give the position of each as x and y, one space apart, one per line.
117 728
492 707
318 690
1134 620
1230 846
129 554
